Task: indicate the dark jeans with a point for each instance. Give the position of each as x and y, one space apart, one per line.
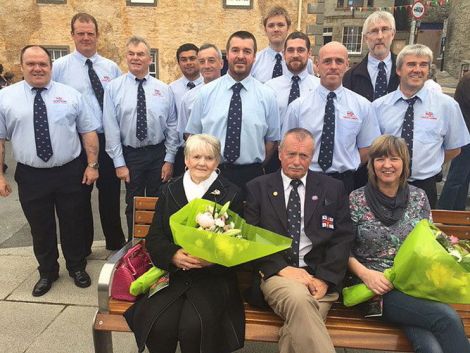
429 187
145 170
43 192
455 191
431 327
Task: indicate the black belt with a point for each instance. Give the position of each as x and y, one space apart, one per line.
343 175
148 147
228 166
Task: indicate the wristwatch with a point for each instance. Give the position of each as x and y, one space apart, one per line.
94 165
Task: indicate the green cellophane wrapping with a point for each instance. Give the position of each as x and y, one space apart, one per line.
422 268
142 284
222 249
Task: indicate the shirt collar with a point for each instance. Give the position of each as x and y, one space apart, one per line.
398 95
323 91
303 75
272 53
286 180
375 62
30 88
132 76
196 81
83 58
230 81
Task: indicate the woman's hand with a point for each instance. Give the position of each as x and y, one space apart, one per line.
376 281
184 261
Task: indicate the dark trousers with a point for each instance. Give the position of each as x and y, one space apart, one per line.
240 174
179 165
429 187
109 198
361 176
145 170
179 322
347 178
43 192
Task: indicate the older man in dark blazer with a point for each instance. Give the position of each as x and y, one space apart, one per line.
301 283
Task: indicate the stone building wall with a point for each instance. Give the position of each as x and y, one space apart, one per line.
165 26
458 44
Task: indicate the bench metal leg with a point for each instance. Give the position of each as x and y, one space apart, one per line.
103 341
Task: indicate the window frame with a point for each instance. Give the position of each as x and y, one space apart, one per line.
345 5
358 37
248 4
52 48
136 3
154 56
56 2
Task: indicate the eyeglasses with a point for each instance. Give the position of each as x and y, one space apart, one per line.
375 31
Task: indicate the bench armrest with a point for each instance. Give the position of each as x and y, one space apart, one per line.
105 280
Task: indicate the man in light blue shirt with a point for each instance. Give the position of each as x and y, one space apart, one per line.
240 111
139 119
270 61
186 56
74 70
41 118
346 137
430 122
210 62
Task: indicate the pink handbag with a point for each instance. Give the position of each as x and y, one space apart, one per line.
132 265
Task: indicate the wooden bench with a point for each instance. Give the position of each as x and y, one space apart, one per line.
346 326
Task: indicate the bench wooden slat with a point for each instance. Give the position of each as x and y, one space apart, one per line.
145 203
451 217
462 232
141 230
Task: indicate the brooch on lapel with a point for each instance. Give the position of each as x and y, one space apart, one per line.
216 192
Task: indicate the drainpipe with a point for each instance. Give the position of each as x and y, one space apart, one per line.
299 16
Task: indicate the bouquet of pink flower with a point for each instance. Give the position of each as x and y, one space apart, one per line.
218 221
458 248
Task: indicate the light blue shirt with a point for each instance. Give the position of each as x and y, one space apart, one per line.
373 68
260 115
355 126
281 86
120 117
179 88
66 114
438 126
72 70
185 108
265 60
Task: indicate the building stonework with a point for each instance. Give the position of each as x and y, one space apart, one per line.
165 26
457 43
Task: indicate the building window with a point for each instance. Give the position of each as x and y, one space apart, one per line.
327 35
141 2
352 39
57 52
354 3
153 68
51 1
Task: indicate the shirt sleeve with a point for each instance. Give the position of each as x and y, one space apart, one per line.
369 129
112 130
194 125
457 133
273 120
86 121
171 134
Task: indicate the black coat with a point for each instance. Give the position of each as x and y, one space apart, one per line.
357 79
212 290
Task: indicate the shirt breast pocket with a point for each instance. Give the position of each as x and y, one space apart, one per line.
427 136
347 131
61 114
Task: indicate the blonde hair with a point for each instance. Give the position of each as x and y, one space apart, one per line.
202 142
388 145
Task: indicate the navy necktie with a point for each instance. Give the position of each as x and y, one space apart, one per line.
408 126
380 82
141 127
234 125
325 157
190 85
294 219
294 89
41 127
95 83
277 70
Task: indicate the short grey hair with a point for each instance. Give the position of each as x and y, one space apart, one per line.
375 17
136 40
202 143
300 133
414 49
208 46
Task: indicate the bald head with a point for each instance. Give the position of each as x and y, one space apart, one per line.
332 63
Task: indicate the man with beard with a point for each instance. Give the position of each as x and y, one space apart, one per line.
139 119
295 82
269 61
430 122
347 128
249 129
375 75
210 63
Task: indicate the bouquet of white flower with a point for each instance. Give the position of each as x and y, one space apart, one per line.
218 221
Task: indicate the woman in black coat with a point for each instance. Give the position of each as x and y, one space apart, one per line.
201 308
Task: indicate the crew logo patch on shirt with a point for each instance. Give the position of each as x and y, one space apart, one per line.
327 222
157 92
429 116
350 116
106 79
59 100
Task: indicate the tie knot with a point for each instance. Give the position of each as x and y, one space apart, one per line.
411 101
190 85
331 95
295 78
140 80
38 90
381 65
278 57
295 183
237 87
89 63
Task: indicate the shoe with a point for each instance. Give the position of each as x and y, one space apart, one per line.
43 286
81 278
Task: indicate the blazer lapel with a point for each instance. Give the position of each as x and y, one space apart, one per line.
277 197
216 192
176 190
313 196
